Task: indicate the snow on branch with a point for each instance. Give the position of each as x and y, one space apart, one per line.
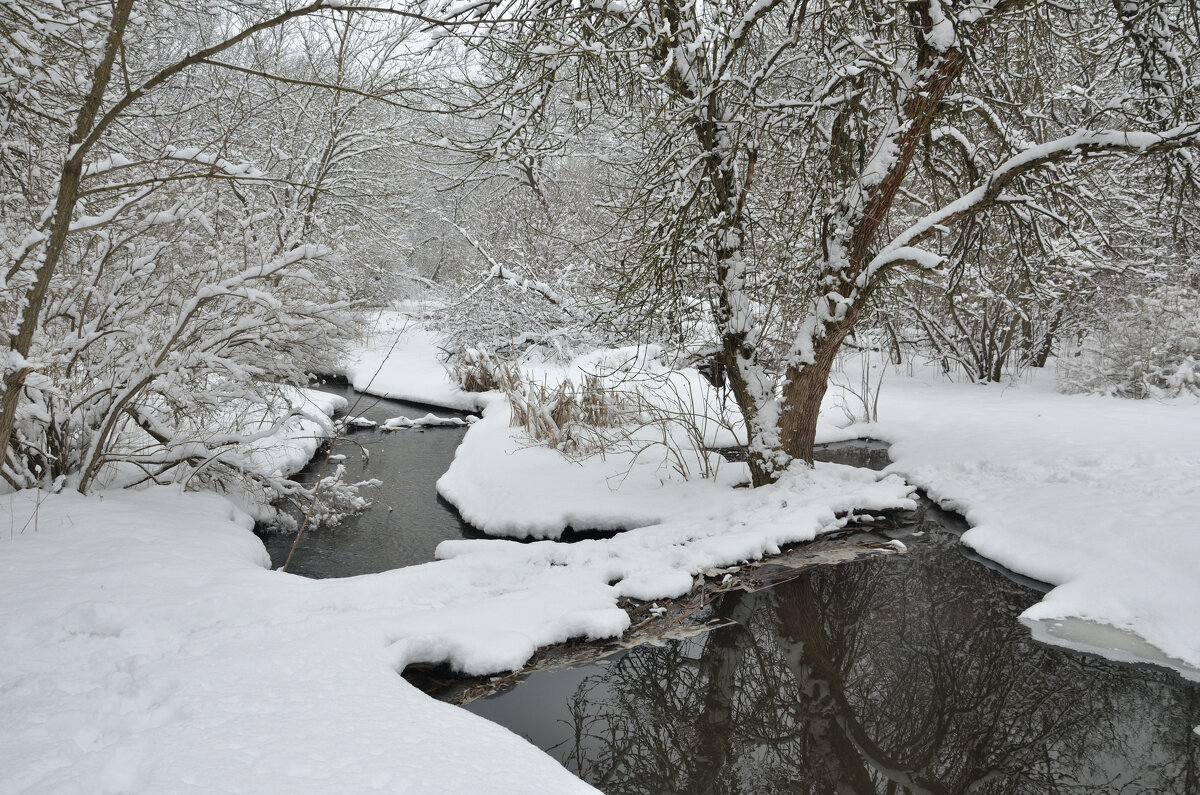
941 35
189 154
499 271
86 222
1082 144
194 154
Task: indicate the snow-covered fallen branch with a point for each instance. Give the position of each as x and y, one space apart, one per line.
428 421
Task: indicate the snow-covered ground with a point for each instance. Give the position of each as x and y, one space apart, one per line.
148 648
1097 496
402 360
152 651
506 486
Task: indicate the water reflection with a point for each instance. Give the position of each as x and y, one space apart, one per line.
888 675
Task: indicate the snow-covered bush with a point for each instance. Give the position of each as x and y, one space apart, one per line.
1144 346
572 418
624 401
336 498
182 243
566 415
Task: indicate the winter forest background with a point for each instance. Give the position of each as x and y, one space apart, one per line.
839 361
200 204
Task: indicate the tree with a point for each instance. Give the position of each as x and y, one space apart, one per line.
184 192
852 140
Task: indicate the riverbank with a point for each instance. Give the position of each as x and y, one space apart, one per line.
1094 495
154 651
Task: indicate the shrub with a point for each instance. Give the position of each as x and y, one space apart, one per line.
1146 346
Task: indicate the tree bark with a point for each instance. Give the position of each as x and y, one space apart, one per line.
805 384
803 390
761 470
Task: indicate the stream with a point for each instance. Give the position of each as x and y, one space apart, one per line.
887 674
898 673
406 520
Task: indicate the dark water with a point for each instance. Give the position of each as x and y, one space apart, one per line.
898 674
407 519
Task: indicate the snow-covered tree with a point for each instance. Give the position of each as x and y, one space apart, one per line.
797 155
189 194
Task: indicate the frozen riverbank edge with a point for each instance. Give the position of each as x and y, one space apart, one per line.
1095 496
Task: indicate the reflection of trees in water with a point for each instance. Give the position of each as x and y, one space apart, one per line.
888 677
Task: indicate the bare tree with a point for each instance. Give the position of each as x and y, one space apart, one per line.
797 154
189 197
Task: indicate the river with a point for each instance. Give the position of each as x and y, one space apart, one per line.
888 674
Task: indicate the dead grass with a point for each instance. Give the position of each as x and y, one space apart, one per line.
569 417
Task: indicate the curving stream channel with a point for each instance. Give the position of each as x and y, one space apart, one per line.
887 674
407 519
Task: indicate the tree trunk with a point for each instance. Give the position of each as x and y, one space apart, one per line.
803 390
1037 351
762 469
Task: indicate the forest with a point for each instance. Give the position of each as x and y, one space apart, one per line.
199 203
647 260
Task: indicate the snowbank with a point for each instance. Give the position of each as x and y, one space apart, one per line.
723 528
296 442
428 421
1097 496
147 650
505 485
401 360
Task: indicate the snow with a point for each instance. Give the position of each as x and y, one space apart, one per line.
151 651
292 446
941 35
401 360
1096 496
148 650
148 647
505 485
727 527
1080 142
428 421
